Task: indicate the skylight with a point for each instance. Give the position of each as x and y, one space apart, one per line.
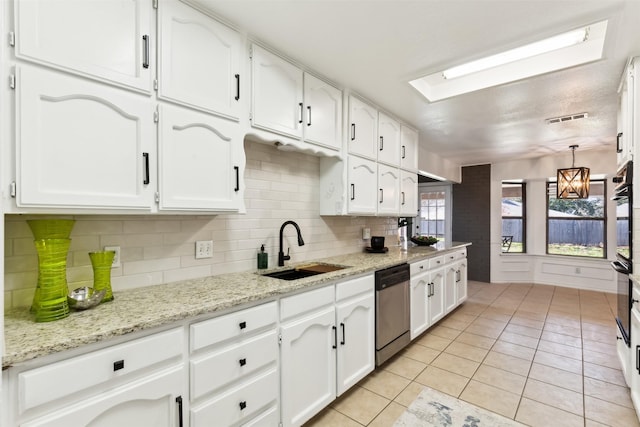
561 51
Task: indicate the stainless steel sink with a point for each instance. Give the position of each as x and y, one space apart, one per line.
304 271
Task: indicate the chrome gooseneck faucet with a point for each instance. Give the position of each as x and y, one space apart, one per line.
281 256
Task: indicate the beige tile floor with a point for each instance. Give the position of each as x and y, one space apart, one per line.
542 355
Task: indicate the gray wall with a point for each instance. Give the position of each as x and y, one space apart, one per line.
472 219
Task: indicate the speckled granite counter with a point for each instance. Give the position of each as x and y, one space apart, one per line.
148 307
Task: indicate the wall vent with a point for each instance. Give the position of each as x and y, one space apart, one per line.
567 118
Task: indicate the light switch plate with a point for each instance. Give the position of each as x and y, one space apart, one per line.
366 233
204 249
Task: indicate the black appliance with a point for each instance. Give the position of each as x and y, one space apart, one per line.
624 247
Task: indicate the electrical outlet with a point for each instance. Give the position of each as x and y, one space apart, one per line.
116 258
204 249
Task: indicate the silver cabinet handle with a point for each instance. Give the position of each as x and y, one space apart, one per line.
403 198
403 152
381 195
381 143
301 111
308 115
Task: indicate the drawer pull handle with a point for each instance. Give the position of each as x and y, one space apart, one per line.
243 404
242 361
118 365
335 337
237 87
421 267
343 334
145 51
243 325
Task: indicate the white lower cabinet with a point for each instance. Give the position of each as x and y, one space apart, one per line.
438 286
326 347
154 401
140 382
420 288
234 376
634 369
450 285
436 295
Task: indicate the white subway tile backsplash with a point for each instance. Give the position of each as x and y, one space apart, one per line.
279 186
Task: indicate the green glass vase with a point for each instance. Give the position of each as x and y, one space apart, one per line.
50 299
101 263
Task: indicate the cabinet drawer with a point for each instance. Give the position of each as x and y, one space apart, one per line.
233 325
436 261
79 373
419 267
354 287
306 302
450 257
269 418
461 254
238 403
231 363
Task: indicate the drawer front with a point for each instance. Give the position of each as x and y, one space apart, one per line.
239 403
450 257
355 287
419 267
436 261
269 418
231 363
461 254
234 325
60 379
306 302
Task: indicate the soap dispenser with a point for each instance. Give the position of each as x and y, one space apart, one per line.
263 258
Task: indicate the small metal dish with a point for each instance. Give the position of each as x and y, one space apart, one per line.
85 297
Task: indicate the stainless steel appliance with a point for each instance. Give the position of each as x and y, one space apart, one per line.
624 253
392 311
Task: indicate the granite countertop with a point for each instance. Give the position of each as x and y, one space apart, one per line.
143 308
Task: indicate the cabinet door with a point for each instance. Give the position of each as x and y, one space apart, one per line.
389 190
308 361
388 140
419 304
436 296
635 358
408 148
322 113
450 277
153 401
408 194
461 282
110 40
363 129
92 147
362 177
200 161
277 94
198 60
355 319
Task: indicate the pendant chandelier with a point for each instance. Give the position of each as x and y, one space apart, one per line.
573 182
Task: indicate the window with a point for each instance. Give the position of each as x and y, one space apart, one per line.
433 212
577 227
514 217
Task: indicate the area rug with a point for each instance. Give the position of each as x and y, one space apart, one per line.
433 408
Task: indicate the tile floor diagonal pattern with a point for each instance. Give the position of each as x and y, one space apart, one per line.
542 355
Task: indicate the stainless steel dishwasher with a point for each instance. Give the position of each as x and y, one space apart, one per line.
392 311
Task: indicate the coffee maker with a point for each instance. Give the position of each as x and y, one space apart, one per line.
404 227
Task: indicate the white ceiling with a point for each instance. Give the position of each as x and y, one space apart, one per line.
375 47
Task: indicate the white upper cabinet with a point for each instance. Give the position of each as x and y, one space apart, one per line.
277 99
408 148
363 129
200 161
198 60
389 186
109 40
361 175
322 113
388 140
82 144
288 101
408 194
